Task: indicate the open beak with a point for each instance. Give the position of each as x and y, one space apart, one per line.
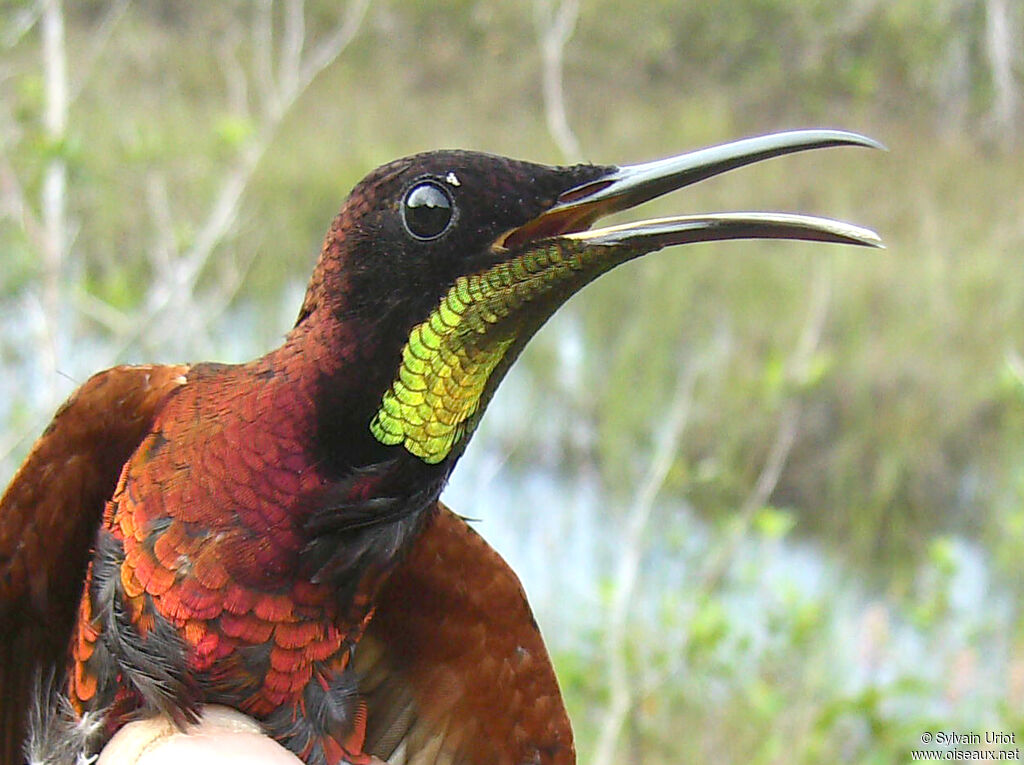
628 186
453 361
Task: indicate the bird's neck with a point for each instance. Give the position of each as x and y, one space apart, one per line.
335 365
348 343
377 495
348 351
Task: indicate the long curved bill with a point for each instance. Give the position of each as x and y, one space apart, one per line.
684 229
630 185
453 361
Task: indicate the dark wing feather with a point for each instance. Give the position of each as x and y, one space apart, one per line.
453 667
48 520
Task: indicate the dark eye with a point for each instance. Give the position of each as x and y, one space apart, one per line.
427 210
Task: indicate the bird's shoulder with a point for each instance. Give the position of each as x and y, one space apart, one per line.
74 465
48 519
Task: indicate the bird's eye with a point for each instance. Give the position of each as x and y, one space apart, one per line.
427 210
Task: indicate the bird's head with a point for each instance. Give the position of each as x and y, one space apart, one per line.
415 225
457 258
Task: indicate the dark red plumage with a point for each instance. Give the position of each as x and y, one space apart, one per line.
48 517
268 535
250 521
206 525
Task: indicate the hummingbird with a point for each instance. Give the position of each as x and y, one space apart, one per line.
269 535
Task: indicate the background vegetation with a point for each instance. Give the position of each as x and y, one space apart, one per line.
768 499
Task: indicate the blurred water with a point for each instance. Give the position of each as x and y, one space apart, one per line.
558 535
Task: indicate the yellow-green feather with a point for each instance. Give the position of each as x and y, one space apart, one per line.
448 359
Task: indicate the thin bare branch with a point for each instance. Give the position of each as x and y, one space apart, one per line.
228 287
627 571
20 24
293 41
1001 49
223 212
335 43
116 321
1015 365
54 192
849 22
555 26
236 81
263 56
14 440
97 43
14 200
225 208
164 251
785 432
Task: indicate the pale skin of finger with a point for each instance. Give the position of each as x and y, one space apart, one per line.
222 736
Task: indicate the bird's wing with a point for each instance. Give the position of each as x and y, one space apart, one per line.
48 519
453 666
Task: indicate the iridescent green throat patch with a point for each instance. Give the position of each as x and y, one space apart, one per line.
448 359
